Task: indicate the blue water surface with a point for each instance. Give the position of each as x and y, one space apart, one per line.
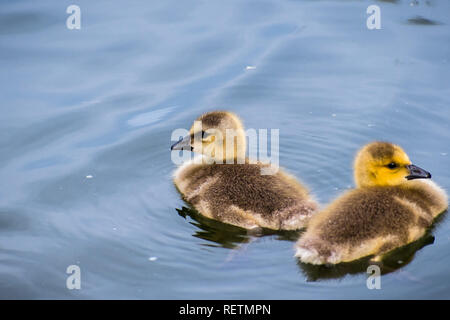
86 123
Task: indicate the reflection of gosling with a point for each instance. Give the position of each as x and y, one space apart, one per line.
386 211
227 187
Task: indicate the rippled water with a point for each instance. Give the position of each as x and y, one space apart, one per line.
87 115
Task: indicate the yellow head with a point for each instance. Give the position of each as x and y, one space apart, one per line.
219 135
385 164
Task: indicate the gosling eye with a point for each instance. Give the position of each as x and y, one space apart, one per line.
392 165
205 135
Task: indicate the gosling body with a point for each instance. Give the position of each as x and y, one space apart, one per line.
236 192
387 210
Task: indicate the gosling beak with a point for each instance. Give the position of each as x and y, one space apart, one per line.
417 173
182 144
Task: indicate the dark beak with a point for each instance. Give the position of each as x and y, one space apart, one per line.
182 144
417 173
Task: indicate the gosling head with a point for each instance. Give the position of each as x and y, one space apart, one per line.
385 164
218 135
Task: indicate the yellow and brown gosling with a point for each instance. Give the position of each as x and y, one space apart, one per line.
224 185
388 209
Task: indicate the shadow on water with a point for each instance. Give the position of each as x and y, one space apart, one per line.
10 220
224 235
391 262
421 21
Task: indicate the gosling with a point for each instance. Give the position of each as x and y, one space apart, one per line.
388 209
223 184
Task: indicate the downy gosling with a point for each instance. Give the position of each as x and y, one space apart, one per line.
221 187
389 208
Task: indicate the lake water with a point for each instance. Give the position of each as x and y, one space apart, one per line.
86 123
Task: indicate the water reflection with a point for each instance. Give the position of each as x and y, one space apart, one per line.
223 235
218 234
393 261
